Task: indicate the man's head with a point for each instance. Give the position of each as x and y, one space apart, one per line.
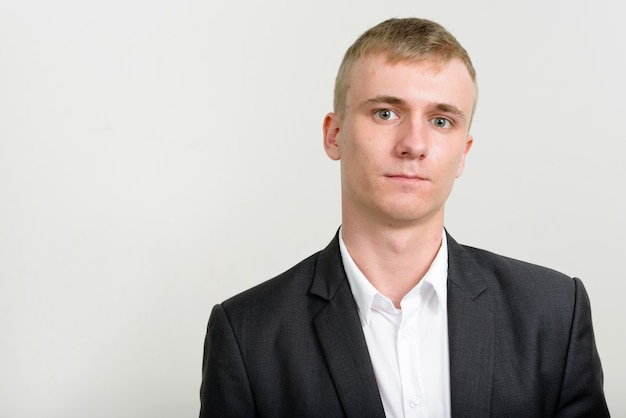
404 102
409 39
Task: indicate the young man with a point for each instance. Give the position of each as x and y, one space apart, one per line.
394 318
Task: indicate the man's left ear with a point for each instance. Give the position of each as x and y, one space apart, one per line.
468 146
331 132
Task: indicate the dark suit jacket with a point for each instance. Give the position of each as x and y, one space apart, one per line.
520 337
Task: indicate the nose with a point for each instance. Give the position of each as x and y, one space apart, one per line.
412 141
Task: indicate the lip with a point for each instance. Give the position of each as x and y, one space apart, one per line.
405 177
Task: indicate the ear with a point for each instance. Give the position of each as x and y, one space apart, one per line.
331 132
468 146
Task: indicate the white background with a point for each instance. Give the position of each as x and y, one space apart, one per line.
159 156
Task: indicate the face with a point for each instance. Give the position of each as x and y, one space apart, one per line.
402 139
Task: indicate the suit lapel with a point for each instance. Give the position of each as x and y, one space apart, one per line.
471 335
339 331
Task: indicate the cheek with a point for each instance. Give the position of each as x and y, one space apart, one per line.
459 170
362 154
454 160
460 164
449 168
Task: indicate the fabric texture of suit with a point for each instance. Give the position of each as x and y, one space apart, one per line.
520 339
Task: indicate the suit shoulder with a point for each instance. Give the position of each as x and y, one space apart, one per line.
515 272
518 288
488 258
291 282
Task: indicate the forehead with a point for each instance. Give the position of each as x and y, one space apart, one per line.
412 81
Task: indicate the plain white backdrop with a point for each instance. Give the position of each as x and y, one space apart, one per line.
157 157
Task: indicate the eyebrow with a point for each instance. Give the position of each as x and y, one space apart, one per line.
392 100
448 108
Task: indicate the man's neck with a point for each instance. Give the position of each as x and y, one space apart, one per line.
393 259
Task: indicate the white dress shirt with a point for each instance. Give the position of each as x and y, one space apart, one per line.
408 346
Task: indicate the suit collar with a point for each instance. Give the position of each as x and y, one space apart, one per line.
338 328
329 274
463 271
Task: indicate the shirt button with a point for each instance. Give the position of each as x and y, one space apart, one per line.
414 403
407 334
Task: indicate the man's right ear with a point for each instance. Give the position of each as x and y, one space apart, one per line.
331 133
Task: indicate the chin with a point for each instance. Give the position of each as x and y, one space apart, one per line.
411 215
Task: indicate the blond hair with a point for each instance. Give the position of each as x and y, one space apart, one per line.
409 39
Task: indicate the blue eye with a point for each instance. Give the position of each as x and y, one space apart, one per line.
441 122
386 114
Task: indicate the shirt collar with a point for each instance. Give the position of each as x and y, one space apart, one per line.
364 292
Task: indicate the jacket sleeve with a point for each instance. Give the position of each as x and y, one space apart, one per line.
582 393
225 390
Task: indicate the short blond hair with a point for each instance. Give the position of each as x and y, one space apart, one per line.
409 39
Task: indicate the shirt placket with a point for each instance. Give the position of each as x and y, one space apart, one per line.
408 354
